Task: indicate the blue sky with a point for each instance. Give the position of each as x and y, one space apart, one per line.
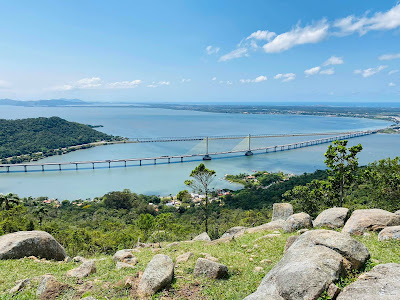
201 51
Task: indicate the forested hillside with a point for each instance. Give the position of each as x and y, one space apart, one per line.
28 136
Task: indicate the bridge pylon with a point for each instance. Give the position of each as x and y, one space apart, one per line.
207 157
249 153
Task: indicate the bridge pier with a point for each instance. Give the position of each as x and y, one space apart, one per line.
76 167
140 162
169 159
42 168
181 159
154 161
93 166
59 167
8 169
25 168
125 162
109 164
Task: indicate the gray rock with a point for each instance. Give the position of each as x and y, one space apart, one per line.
281 211
332 218
311 264
30 243
370 220
158 274
297 221
125 256
49 287
79 259
21 284
273 225
84 270
397 212
259 296
184 257
382 282
389 233
89 298
174 244
333 291
211 269
121 265
202 237
289 242
233 231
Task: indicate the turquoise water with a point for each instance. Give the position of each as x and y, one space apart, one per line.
164 179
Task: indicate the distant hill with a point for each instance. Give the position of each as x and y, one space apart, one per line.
28 136
51 102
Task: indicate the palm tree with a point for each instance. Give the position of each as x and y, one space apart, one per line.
41 211
8 201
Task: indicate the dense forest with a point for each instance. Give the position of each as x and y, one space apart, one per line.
30 136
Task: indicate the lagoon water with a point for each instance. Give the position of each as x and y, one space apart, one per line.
165 179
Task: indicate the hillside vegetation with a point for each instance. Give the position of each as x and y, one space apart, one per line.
30 136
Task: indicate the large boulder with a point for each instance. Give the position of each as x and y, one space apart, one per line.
84 270
158 274
362 220
297 221
314 261
30 243
233 231
390 233
382 282
202 237
211 269
332 218
281 211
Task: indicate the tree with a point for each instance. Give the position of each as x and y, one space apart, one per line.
202 179
184 196
9 200
342 163
40 211
118 200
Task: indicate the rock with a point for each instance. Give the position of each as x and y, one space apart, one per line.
158 274
89 298
389 233
332 218
265 261
397 212
211 269
333 291
121 265
209 257
297 221
84 270
244 246
282 211
21 284
67 259
233 231
370 220
382 282
268 236
311 264
273 225
50 288
27 243
301 231
125 256
184 257
202 237
289 242
174 244
79 259
258 269
263 297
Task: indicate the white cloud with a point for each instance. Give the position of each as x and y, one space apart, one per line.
262 35
212 50
4 84
237 53
214 78
297 36
164 83
258 79
330 71
157 84
333 60
88 83
229 82
124 84
389 56
370 71
152 85
392 84
186 80
312 71
379 21
392 72
285 77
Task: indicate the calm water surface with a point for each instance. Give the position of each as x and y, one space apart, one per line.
164 179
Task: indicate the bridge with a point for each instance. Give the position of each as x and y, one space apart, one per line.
206 156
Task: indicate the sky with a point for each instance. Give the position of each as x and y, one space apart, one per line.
201 51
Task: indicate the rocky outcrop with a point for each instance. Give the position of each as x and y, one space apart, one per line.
125 256
233 231
158 274
297 221
314 261
332 218
30 243
202 237
281 211
362 220
382 282
389 233
211 269
84 270
50 288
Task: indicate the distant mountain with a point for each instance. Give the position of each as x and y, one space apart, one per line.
51 102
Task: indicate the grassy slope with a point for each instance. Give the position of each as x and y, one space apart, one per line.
242 280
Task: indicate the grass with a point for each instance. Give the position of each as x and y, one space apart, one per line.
241 256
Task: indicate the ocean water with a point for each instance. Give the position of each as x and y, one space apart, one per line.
164 178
